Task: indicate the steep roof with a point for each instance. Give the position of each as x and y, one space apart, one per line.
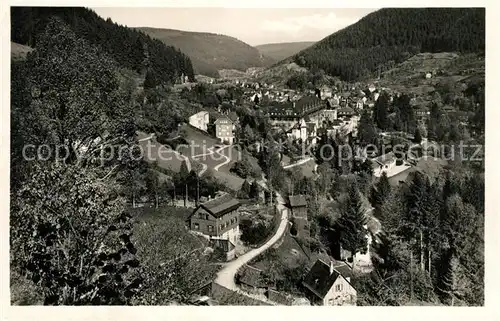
319 280
220 205
297 200
223 120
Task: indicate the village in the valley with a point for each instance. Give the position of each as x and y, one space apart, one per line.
325 174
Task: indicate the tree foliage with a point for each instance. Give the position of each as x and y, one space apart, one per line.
71 236
130 48
391 36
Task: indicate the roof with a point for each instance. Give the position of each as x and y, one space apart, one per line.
220 206
297 200
346 110
343 269
252 276
223 120
319 280
302 107
199 114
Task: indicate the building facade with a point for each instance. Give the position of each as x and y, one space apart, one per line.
329 284
199 120
224 130
217 218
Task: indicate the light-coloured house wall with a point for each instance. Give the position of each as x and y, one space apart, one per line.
346 295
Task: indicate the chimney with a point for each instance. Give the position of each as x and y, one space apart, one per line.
331 267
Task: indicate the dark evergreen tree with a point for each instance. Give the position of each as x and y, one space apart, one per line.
245 190
418 137
380 111
379 193
350 224
254 190
367 132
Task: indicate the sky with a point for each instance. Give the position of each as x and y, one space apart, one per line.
254 26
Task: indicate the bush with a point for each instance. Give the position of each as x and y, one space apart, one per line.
253 234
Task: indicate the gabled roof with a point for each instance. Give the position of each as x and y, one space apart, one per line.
223 120
297 200
319 280
220 205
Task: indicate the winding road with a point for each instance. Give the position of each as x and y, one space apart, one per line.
300 162
226 276
210 151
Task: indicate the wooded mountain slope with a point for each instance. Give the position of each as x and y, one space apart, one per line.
211 52
280 51
390 36
131 49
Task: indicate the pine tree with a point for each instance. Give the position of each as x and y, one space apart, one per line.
350 225
380 111
418 136
245 190
379 193
254 190
367 132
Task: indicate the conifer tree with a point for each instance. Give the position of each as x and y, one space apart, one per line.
350 225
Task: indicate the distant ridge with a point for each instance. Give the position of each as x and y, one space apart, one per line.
389 36
280 51
211 52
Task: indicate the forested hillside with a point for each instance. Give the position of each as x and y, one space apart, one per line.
390 36
131 49
280 51
211 52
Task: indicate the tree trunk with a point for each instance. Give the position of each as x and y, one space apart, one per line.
133 200
156 199
422 263
186 196
197 190
411 276
174 200
430 261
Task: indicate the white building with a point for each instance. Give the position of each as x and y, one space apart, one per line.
199 120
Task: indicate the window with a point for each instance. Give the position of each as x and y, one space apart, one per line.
200 215
338 288
210 228
196 226
206 217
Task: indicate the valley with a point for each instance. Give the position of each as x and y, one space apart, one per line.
157 166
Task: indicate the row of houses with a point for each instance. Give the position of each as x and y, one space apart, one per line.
306 118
